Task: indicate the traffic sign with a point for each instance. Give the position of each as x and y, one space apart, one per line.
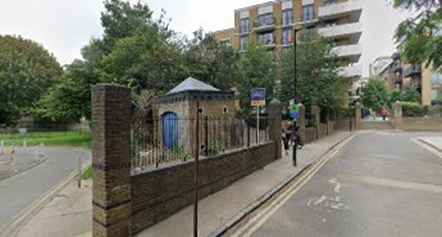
258 97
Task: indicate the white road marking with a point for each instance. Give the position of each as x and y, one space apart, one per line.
258 220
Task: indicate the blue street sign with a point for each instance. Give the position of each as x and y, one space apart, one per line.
258 94
295 115
258 97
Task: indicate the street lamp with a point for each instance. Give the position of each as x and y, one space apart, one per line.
295 78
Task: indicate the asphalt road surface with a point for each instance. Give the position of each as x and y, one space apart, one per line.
21 190
380 184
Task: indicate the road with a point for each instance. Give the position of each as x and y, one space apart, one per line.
380 184
19 191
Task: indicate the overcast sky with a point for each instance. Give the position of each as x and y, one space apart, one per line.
65 26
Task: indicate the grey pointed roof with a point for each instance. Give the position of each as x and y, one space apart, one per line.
192 84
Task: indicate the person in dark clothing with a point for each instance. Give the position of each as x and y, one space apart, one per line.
285 140
296 137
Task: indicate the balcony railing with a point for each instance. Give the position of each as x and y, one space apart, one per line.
354 71
350 7
351 51
412 71
265 25
345 30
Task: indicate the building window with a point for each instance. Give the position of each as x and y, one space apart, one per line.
436 79
308 12
244 42
287 17
245 25
266 39
266 19
329 2
287 36
225 110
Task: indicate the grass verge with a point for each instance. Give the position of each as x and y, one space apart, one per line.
71 138
87 174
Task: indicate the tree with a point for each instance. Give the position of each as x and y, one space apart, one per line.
421 37
257 70
375 94
212 62
319 80
70 99
27 70
410 94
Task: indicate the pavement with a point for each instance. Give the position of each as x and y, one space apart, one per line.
20 192
380 184
70 213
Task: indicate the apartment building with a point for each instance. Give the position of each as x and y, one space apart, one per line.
426 80
272 24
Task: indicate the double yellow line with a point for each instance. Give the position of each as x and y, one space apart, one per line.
260 218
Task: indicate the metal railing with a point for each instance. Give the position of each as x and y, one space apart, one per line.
171 140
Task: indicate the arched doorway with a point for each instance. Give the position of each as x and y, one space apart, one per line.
170 130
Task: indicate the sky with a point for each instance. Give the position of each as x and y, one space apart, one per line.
64 27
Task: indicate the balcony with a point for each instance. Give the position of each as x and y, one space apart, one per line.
352 8
396 68
352 31
351 72
412 71
268 24
352 51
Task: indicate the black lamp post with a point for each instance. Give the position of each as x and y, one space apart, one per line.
295 78
294 132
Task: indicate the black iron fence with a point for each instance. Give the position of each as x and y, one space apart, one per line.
170 140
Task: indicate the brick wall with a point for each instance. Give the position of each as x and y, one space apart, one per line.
322 131
310 135
420 124
159 194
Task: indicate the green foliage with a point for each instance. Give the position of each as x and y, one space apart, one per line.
87 173
70 99
257 70
412 109
410 94
73 139
27 70
319 82
142 53
421 42
395 96
375 94
438 100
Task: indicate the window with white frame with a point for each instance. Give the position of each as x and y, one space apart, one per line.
266 19
287 17
245 25
266 39
287 36
308 12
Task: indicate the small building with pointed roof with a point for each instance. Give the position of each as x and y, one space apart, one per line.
178 108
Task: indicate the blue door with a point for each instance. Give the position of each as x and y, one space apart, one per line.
170 130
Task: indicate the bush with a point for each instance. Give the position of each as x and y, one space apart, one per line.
437 101
411 109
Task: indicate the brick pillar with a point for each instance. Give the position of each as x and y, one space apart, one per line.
358 116
301 121
275 126
316 111
111 108
397 115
